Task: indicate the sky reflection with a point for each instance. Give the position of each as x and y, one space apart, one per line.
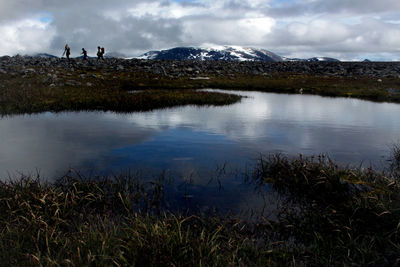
192 139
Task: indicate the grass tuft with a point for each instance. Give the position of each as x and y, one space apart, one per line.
328 215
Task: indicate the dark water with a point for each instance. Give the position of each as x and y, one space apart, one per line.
195 143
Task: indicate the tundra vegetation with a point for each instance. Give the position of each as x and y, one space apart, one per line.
30 85
328 215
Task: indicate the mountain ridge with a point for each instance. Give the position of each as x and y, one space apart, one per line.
228 53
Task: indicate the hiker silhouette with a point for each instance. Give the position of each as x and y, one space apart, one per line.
84 52
100 53
67 51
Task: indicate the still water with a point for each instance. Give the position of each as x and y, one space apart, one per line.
196 141
189 138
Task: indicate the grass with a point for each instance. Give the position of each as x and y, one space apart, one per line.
105 222
97 89
338 86
335 216
329 216
355 87
30 95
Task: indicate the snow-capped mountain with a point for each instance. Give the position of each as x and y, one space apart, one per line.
313 59
319 59
234 53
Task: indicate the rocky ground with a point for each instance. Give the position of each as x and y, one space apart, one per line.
24 66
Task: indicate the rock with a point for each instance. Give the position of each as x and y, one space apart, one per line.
89 84
30 70
200 78
20 66
71 83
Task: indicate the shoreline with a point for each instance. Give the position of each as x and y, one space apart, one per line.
31 85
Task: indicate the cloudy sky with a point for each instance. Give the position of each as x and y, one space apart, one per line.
344 29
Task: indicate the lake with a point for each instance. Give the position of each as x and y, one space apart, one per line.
194 143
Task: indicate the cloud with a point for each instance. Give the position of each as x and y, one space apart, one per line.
25 36
357 6
334 27
327 37
246 31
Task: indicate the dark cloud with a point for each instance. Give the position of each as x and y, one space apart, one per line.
335 8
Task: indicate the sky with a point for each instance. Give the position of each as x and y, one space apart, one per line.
343 29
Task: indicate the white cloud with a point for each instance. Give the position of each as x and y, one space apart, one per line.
316 32
25 36
172 11
334 27
245 31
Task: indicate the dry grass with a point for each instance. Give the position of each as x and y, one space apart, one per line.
329 216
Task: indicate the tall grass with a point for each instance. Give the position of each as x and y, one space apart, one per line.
111 221
335 216
328 216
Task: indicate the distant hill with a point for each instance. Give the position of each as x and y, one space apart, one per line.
319 59
313 59
233 53
42 55
114 55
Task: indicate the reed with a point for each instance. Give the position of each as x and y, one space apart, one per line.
112 221
333 215
328 216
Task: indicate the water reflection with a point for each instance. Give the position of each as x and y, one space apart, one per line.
199 139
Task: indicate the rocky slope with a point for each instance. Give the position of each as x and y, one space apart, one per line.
18 65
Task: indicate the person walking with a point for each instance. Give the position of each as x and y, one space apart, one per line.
84 53
100 53
67 51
